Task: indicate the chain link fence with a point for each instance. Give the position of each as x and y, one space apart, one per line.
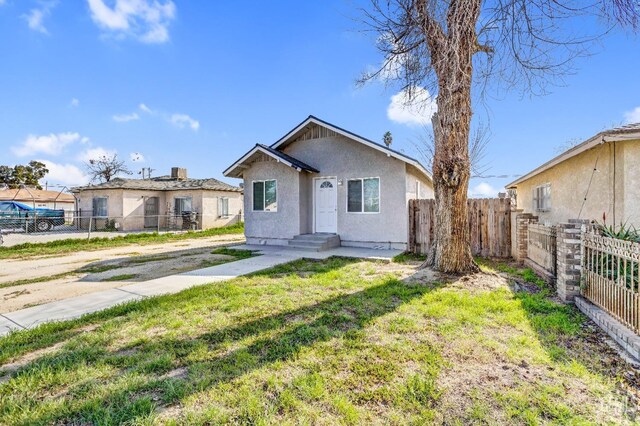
35 227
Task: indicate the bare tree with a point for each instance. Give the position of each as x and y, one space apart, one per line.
105 167
426 147
447 46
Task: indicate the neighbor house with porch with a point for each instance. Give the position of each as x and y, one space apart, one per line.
597 180
321 185
159 202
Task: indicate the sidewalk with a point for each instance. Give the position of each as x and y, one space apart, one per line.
77 306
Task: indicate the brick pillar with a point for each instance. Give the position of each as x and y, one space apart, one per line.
522 226
569 252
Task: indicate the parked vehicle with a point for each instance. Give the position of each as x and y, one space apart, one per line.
17 215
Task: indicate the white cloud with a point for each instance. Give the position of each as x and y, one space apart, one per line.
35 17
67 174
51 144
136 157
182 120
123 118
416 112
632 116
75 102
145 108
94 153
483 190
145 20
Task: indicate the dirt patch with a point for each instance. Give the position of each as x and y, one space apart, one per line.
90 276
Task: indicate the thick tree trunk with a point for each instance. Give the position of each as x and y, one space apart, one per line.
451 251
452 59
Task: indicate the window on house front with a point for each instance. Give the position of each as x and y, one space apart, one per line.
265 196
182 204
542 198
100 207
363 195
223 206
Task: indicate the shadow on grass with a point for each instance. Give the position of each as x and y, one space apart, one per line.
253 345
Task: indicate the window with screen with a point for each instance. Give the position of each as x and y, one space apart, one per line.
223 206
181 205
100 207
363 195
265 196
542 198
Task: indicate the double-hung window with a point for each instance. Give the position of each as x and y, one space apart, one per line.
223 206
265 196
182 204
100 207
363 195
542 198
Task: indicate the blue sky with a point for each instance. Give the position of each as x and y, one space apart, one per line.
196 84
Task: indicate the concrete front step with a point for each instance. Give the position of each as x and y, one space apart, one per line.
315 242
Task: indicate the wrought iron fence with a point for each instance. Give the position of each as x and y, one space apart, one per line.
611 276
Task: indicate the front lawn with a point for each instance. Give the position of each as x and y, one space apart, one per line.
319 342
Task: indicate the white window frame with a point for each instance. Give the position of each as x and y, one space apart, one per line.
362 195
541 201
186 197
221 201
106 207
264 196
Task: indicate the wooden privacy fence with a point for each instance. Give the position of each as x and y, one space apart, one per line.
489 226
610 274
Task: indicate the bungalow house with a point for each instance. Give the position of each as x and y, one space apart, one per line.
320 186
599 179
136 204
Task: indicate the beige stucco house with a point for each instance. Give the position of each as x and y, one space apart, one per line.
598 179
137 204
322 181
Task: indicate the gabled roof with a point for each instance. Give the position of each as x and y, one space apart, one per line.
617 134
162 183
235 170
304 125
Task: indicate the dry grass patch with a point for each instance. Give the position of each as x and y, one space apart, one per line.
324 342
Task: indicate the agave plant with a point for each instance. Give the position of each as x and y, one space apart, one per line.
626 273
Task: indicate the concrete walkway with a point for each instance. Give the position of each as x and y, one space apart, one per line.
77 306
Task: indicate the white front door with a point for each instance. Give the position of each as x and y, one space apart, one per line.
326 205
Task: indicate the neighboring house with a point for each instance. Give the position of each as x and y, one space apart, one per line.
38 198
136 204
319 178
598 179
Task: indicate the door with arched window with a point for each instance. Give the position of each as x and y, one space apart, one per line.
326 205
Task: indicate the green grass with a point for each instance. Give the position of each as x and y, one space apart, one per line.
99 268
238 254
409 257
121 277
58 247
38 279
314 342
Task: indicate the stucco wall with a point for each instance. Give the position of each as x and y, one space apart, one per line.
426 187
128 206
345 159
210 217
279 226
614 190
